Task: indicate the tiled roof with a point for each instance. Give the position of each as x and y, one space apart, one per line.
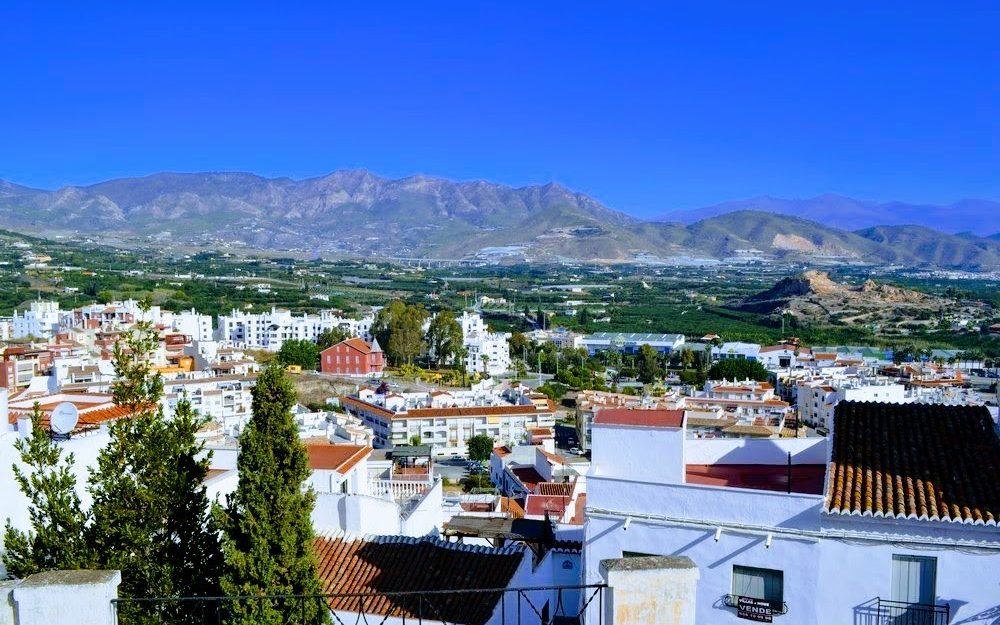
512 506
355 343
914 461
639 417
339 458
554 505
388 564
563 489
748 430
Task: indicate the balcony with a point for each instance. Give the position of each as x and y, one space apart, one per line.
880 611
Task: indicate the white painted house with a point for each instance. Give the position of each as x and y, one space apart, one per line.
893 520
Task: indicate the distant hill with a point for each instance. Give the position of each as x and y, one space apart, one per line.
813 296
356 213
981 217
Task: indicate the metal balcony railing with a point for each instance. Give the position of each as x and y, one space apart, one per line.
879 611
541 605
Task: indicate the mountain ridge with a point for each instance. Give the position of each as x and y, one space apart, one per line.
358 213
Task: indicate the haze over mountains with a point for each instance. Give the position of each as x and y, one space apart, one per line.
980 217
361 214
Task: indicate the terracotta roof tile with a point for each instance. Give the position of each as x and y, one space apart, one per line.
563 489
388 564
640 417
339 458
914 461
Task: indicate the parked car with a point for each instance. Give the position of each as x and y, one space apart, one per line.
575 451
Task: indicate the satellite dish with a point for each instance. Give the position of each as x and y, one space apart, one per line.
64 418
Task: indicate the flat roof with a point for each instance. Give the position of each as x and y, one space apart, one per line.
806 478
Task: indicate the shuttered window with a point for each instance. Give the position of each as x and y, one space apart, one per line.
914 579
766 584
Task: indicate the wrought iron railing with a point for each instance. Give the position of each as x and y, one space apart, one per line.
902 613
879 611
540 605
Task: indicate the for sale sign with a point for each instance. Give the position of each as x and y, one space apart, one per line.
754 609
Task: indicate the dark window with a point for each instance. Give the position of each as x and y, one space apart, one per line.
766 584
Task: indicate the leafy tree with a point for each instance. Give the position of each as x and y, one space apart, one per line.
415 440
649 369
553 390
267 529
329 338
55 540
737 369
480 447
150 513
299 352
399 330
518 344
444 335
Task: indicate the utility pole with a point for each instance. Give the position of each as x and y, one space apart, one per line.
539 368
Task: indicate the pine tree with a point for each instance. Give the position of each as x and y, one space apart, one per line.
55 540
151 518
267 525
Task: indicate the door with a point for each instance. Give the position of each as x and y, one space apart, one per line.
913 579
913 590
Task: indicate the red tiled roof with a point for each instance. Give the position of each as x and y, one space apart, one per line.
394 564
563 489
355 343
915 461
538 505
639 417
339 458
528 477
806 478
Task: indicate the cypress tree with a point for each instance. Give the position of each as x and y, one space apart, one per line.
267 525
150 515
55 540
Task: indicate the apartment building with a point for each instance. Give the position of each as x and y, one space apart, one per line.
40 320
448 419
271 329
485 351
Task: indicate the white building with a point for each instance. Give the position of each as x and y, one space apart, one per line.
486 352
893 521
195 325
817 399
630 342
41 321
447 419
225 399
270 330
737 350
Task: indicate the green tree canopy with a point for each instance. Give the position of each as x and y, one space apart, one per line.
480 447
399 330
648 365
329 338
55 540
299 352
444 335
737 369
150 513
267 529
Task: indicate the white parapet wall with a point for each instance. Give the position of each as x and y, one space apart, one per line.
61 598
653 590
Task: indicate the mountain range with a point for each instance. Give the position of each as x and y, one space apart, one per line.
356 213
980 217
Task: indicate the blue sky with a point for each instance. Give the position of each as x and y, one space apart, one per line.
647 107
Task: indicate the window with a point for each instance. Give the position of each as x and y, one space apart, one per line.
766 584
914 579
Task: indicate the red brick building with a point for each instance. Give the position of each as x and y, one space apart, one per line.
353 357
